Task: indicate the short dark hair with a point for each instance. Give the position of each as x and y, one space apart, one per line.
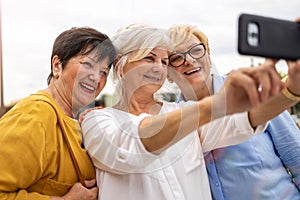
82 40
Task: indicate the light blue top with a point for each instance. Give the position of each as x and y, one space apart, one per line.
256 169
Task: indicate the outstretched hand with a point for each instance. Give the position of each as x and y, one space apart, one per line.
246 88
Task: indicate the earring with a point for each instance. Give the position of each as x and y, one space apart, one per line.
56 76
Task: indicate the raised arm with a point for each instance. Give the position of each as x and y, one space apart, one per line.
239 93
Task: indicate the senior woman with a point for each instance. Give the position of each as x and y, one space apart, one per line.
41 150
264 158
146 149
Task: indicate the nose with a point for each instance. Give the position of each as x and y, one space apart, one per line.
189 60
158 67
95 77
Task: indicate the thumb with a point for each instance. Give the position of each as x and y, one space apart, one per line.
90 183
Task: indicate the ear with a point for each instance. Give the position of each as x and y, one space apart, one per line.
56 66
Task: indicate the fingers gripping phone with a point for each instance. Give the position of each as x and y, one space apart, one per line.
268 37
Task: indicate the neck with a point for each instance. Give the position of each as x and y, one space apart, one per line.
138 104
198 92
61 100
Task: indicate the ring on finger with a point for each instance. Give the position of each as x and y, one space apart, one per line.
260 88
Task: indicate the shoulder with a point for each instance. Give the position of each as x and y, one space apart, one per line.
99 116
27 120
32 110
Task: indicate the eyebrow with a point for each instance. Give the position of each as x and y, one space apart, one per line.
166 58
89 59
153 53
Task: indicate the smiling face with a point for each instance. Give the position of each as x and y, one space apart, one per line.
90 80
148 74
194 70
81 80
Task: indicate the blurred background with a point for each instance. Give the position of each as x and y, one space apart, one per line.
28 30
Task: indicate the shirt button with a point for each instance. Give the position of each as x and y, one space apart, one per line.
217 184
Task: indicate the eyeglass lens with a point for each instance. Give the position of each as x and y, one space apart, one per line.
196 52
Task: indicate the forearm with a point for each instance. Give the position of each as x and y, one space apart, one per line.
22 195
161 131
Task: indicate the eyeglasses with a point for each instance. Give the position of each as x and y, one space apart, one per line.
196 52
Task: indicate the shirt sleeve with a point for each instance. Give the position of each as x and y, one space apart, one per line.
21 155
286 138
227 131
112 140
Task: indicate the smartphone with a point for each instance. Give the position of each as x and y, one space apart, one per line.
268 37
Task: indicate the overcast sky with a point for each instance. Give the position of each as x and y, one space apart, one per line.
30 27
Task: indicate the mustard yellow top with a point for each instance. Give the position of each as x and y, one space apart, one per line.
35 162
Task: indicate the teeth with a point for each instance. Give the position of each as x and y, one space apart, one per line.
152 78
193 70
88 87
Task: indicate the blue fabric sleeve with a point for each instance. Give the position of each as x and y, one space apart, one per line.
286 138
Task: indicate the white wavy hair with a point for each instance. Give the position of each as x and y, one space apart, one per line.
133 43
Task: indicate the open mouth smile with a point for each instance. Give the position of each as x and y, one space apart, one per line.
195 70
88 87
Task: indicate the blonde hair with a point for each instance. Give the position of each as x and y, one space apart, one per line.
133 43
182 33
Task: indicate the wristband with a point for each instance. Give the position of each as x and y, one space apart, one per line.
290 95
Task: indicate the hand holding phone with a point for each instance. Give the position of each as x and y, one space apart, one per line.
268 37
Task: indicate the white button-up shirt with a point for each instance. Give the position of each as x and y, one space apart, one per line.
127 171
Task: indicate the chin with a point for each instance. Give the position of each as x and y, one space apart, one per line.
198 80
84 101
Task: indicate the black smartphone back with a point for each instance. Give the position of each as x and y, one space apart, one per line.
268 37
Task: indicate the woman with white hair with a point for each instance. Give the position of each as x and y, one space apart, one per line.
146 149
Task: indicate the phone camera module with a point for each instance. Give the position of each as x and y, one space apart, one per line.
253 34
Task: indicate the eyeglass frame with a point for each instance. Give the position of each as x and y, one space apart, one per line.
188 52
